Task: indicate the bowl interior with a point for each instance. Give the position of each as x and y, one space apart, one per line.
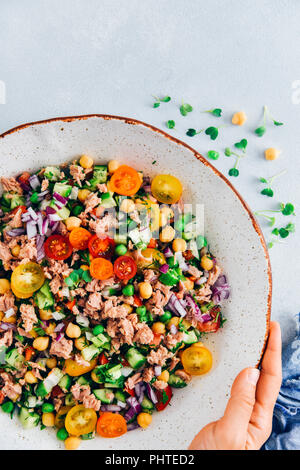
234 238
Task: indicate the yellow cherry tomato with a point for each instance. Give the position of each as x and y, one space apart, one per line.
60 417
196 360
27 278
80 420
153 258
74 369
166 188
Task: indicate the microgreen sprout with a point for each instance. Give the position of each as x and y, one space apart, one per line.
213 132
185 108
284 232
158 100
192 132
268 191
170 124
213 154
261 130
242 145
229 153
215 112
284 209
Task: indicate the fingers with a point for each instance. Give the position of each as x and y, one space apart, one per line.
240 405
271 374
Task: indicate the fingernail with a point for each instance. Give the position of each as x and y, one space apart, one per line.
253 376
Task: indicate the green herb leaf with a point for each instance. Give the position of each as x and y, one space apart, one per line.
277 123
213 132
166 99
170 124
263 180
156 105
283 232
287 209
185 108
275 231
191 132
241 145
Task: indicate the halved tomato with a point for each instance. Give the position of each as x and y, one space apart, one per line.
125 268
214 324
58 247
164 396
151 258
79 238
125 181
80 420
101 247
24 177
26 279
61 416
166 189
101 269
111 425
74 369
197 359
16 209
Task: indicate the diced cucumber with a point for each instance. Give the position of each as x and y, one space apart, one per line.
99 176
49 382
52 173
69 400
82 380
103 395
14 358
63 213
176 382
109 201
16 201
44 298
135 358
101 341
29 419
62 189
90 352
65 382
120 396
190 337
147 404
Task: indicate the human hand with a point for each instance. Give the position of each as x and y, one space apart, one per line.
247 421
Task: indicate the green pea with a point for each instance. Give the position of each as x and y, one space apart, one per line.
128 290
47 408
120 250
166 316
62 434
77 209
213 154
7 407
141 310
98 329
105 196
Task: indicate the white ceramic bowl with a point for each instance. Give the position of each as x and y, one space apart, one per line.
233 234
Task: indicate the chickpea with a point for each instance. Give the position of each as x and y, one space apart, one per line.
4 286
84 267
41 343
30 378
128 307
113 165
166 214
188 284
45 315
72 222
15 251
272 153
86 161
127 205
167 234
73 331
48 419
50 329
239 118
144 419
80 343
145 290
179 244
207 263
164 376
51 362
174 321
83 194
72 443
158 328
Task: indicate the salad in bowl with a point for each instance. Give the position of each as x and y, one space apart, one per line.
108 289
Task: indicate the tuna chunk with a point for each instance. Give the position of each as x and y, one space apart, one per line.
11 184
61 348
28 316
5 254
83 394
159 357
10 389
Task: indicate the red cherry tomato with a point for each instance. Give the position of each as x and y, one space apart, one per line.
16 209
125 268
164 396
102 359
137 301
101 247
24 177
213 325
58 247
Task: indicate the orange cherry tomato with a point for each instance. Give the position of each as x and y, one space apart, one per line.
101 269
137 301
125 181
79 238
166 189
125 268
156 340
58 247
101 247
80 420
2 396
197 359
29 351
111 425
74 369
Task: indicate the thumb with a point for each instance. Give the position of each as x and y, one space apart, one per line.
240 405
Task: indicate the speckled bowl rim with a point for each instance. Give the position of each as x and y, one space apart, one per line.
200 157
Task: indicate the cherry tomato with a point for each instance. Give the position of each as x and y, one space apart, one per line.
80 420
29 351
101 247
137 301
102 359
24 177
164 396
16 209
130 391
56 391
2 396
61 416
101 269
166 189
196 360
125 181
213 325
157 338
74 369
111 425
125 268
26 279
71 304
79 238
152 243
148 256
58 247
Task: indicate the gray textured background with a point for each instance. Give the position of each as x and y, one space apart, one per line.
68 57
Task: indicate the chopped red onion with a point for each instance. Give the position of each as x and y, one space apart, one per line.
59 336
173 330
33 215
132 426
151 394
42 194
157 369
121 404
130 414
194 307
205 317
60 199
220 290
110 408
31 229
164 268
40 247
175 306
15 232
7 326
9 313
34 182
168 252
59 327
54 218
181 261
